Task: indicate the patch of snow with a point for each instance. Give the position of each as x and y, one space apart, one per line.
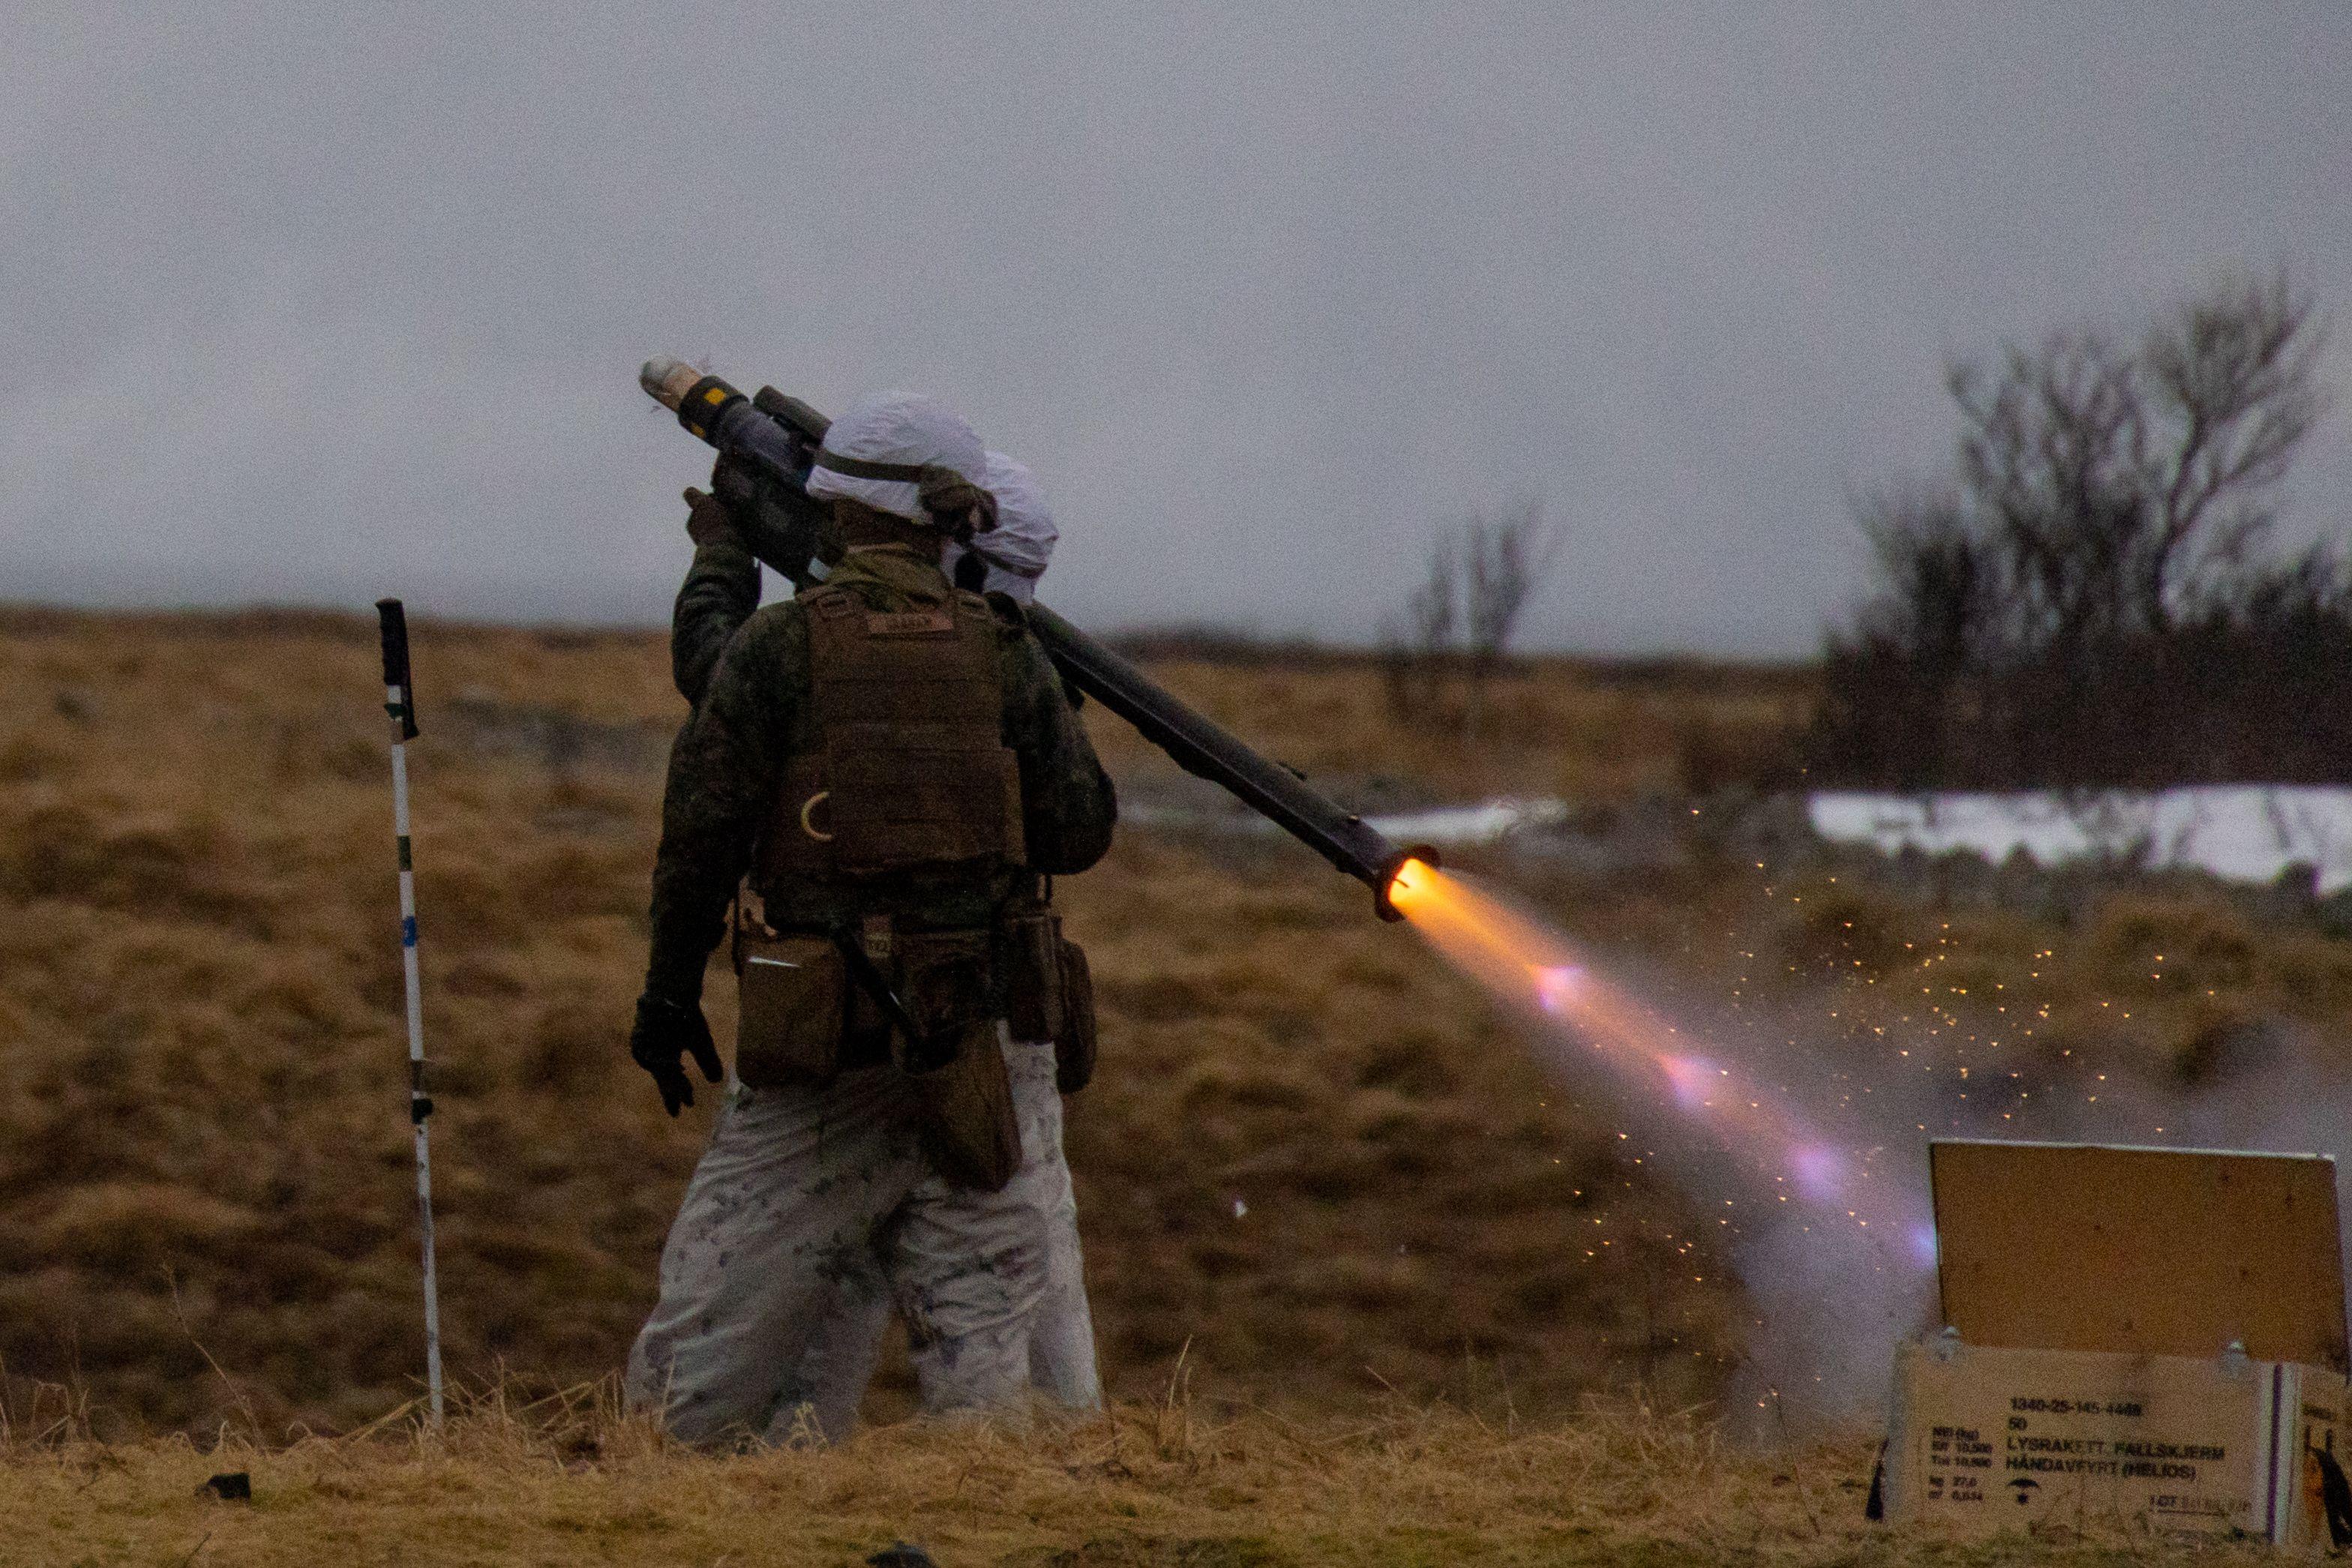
2247 833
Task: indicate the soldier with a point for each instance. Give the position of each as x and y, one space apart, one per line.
894 765
720 592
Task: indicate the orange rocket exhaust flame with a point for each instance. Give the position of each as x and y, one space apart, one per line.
1530 965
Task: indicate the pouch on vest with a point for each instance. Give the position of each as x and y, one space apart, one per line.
1075 1044
1032 950
970 1128
948 980
791 994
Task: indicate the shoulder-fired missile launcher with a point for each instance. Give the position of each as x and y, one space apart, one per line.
776 437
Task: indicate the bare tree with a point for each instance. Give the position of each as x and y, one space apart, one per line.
1941 580
1417 647
1505 560
2100 554
1895 680
1459 620
2233 389
2123 482
2045 476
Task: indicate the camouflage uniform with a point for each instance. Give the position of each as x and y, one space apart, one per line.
809 1200
720 592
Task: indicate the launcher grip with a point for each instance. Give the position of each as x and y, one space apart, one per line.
392 622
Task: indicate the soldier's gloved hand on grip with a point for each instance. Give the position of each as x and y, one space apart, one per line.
666 1031
709 519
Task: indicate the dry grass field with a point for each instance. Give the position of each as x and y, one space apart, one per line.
1314 1157
1151 1485
1592 731
1360 1267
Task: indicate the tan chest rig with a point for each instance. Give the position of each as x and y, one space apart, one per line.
905 779
907 770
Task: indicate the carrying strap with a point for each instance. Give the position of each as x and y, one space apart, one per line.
957 506
865 468
875 983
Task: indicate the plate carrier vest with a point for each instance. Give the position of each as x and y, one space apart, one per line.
905 768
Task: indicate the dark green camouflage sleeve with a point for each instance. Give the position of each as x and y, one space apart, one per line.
724 773
1068 806
720 591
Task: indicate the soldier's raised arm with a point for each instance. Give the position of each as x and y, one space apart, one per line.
1068 805
720 592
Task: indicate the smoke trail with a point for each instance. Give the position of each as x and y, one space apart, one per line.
1721 1108
1818 1151
1830 1238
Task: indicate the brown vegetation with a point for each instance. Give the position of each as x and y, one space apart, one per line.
1598 731
1313 1156
1316 1167
2094 596
1151 1485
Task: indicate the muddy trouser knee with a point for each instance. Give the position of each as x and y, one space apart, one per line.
771 1254
808 1206
841 1354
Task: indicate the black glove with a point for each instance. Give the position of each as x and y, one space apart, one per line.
709 519
718 514
667 1030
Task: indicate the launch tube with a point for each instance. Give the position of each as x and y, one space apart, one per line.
779 435
1201 747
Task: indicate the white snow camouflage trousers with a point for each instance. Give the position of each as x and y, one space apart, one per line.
814 1215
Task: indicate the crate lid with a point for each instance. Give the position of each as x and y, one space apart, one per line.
2157 1251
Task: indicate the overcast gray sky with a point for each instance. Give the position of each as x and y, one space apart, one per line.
319 302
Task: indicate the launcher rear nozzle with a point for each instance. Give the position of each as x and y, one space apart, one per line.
1414 872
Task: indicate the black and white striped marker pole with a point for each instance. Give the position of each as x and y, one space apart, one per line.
400 703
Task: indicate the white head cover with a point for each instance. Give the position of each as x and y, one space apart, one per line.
1015 551
895 430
